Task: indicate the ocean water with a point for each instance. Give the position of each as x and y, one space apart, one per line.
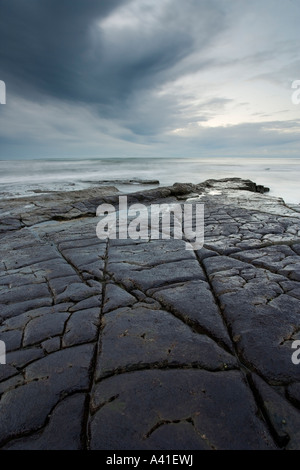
29 177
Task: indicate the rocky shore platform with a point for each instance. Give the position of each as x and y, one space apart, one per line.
124 344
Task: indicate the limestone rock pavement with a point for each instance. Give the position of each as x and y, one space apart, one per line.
124 344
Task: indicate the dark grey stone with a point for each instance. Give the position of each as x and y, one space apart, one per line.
282 416
52 344
56 268
59 285
77 292
13 310
7 371
147 254
26 408
62 432
44 327
19 322
116 297
14 381
91 302
139 337
83 256
12 339
176 331
161 275
81 327
129 409
22 357
293 393
23 293
194 303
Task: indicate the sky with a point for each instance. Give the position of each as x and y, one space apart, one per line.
149 78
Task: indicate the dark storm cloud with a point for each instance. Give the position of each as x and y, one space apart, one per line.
98 76
57 48
43 43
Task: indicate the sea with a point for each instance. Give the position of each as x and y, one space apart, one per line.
20 178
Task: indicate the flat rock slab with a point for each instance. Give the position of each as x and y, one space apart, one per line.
143 344
143 409
139 337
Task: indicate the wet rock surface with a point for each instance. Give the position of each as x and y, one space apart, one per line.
124 344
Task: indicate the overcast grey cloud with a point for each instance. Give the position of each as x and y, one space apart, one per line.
149 78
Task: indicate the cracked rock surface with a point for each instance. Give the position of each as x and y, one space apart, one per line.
142 344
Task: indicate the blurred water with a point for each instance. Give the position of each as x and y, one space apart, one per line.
23 177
